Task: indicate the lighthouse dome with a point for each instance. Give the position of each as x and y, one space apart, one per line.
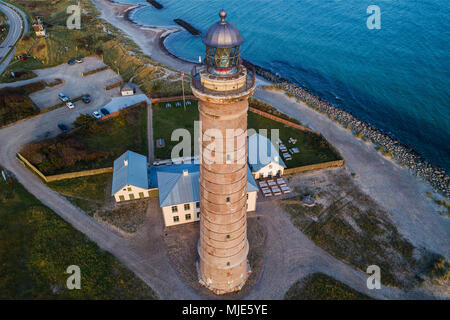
222 34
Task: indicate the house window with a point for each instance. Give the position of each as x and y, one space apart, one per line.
131 196
121 198
228 199
174 209
129 189
176 218
187 206
141 195
197 204
198 215
247 195
187 216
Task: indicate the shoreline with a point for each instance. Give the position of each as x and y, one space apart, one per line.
402 154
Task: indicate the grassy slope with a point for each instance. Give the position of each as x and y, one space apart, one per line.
37 246
319 286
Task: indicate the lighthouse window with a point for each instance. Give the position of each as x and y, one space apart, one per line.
228 263
228 199
228 236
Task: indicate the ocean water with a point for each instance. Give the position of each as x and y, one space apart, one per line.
396 78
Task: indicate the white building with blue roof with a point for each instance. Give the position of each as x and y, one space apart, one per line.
179 193
130 178
263 158
178 186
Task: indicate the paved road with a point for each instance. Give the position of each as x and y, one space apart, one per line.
15 30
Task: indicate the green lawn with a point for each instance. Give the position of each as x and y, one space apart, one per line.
90 187
319 286
37 246
166 120
313 149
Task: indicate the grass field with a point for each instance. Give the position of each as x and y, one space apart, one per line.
319 286
95 145
37 246
90 187
165 120
313 149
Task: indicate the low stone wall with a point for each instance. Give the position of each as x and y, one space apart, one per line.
318 166
169 99
63 176
283 121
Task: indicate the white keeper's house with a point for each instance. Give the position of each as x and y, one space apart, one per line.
263 158
178 186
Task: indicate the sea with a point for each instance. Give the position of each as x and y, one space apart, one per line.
385 61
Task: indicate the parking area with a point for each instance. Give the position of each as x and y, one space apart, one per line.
276 186
75 84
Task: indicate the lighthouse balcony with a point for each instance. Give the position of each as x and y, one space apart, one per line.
239 84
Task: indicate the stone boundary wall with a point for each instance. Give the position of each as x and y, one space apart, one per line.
64 176
324 165
169 99
283 121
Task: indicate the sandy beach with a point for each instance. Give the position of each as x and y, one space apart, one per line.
392 186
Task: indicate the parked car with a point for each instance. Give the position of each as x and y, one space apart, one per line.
104 111
71 62
86 99
70 105
63 97
96 115
79 60
63 127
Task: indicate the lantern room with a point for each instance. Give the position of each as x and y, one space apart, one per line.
223 47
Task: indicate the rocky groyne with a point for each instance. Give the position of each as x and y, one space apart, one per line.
386 144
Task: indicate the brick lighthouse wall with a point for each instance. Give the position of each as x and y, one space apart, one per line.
223 245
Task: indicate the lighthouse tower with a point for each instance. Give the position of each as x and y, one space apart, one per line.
223 86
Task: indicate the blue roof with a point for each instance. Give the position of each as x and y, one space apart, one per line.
130 169
251 183
261 152
175 188
119 103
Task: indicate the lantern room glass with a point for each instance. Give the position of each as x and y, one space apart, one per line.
222 60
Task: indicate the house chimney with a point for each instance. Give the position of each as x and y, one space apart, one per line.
125 163
276 158
185 172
